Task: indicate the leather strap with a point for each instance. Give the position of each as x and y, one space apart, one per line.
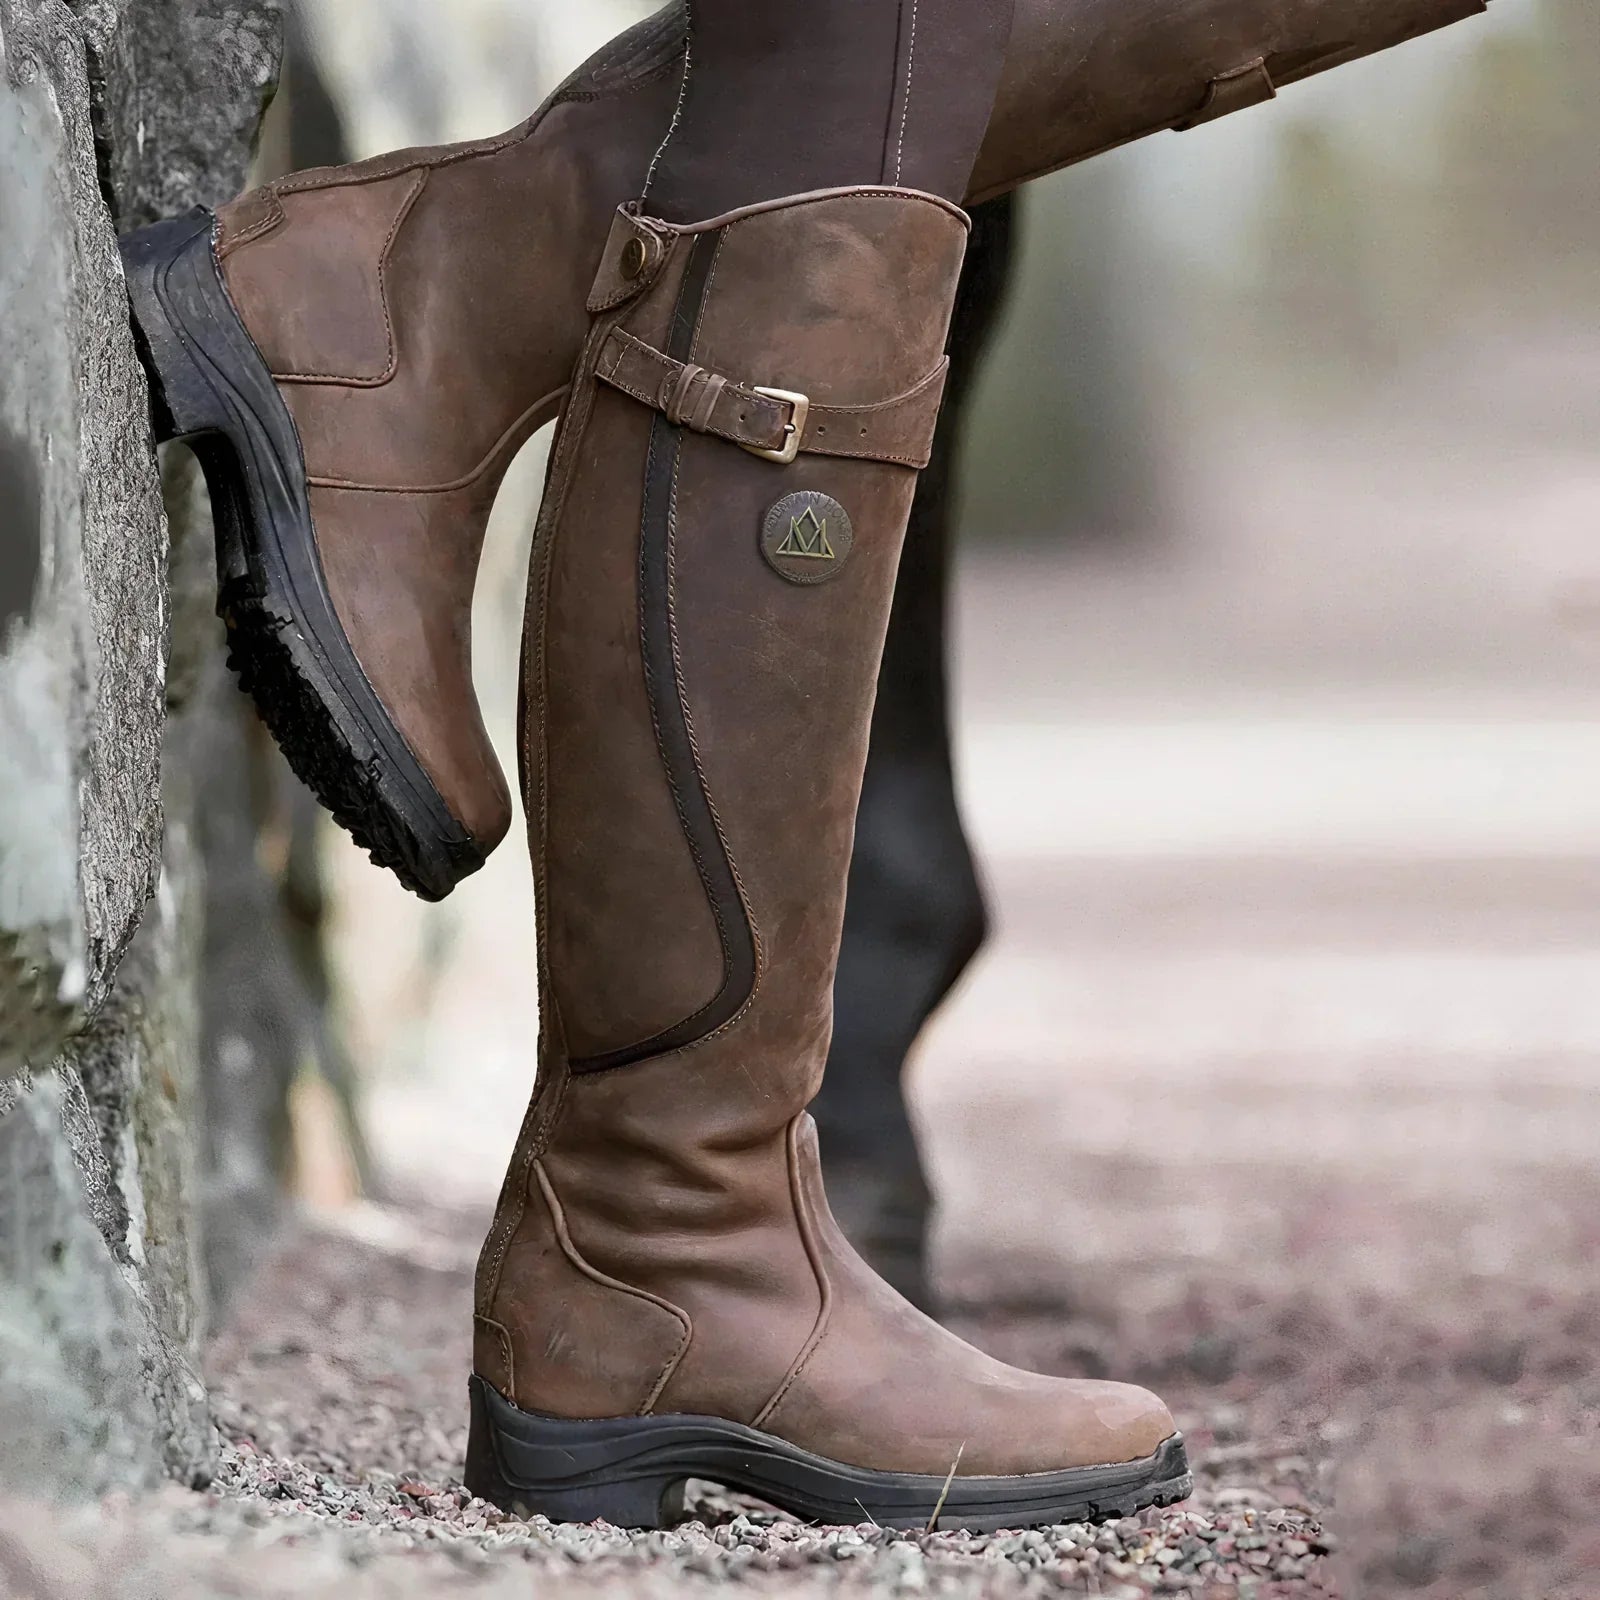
898 430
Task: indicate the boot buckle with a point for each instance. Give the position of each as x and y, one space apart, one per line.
793 430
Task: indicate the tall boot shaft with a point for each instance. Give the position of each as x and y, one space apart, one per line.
704 630
702 729
1085 76
711 582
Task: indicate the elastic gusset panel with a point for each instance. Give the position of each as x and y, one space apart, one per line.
793 95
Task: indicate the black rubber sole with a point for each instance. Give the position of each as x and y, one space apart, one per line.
211 388
631 1472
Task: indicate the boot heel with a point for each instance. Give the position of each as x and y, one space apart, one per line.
625 1495
642 1504
166 266
206 377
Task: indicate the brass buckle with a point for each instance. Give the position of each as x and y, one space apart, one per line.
793 430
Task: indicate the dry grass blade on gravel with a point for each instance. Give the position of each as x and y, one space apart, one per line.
944 1493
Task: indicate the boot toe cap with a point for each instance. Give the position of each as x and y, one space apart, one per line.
1104 1423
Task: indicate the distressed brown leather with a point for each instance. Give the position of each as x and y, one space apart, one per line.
663 1244
898 429
423 310
421 313
401 578
1083 76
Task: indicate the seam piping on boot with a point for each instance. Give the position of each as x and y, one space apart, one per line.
558 1221
804 1221
683 96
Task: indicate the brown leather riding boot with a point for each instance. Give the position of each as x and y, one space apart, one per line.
358 352
665 1295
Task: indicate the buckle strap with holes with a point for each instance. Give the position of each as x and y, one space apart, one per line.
776 424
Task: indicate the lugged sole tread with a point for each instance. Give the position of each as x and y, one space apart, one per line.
348 784
630 1472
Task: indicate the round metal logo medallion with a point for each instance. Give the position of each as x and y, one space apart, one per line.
807 537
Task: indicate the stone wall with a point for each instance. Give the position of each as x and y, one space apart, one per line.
119 775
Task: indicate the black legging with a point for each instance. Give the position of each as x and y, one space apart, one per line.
782 96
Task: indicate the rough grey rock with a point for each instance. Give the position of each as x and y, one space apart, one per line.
138 1063
73 1403
110 112
225 780
79 812
182 86
108 116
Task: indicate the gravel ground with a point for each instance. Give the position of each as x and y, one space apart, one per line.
1309 1148
340 1391
1457 1435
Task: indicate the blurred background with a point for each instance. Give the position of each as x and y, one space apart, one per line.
1278 614
1278 718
